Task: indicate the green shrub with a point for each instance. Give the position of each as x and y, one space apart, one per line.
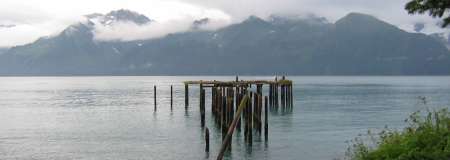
427 137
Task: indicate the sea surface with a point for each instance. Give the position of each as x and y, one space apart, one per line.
64 118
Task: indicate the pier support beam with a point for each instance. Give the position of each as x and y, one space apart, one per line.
171 97
154 97
186 95
226 142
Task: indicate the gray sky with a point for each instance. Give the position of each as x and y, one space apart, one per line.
36 18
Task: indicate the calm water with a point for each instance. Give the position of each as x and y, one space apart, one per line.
113 117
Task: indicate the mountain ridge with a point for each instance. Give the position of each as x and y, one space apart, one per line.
357 44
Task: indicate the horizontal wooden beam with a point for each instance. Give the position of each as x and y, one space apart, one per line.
238 83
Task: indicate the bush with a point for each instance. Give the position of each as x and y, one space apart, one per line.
427 137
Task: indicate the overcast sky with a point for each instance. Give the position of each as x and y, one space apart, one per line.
36 18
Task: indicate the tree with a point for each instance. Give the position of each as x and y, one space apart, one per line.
435 8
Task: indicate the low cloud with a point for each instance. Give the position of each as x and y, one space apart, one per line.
23 33
34 19
391 11
128 31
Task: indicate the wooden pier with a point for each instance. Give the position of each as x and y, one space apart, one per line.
241 103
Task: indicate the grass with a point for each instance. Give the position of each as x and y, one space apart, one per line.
427 137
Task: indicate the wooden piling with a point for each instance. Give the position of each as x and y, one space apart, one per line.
229 112
270 94
282 96
255 110
266 123
154 97
223 113
171 97
260 103
186 95
226 95
258 108
292 96
231 104
215 104
285 96
288 95
247 117
202 108
276 95
288 105
219 106
207 139
250 121
238 101
212 100
226 143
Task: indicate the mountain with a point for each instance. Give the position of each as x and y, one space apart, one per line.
197 24
3 50
357 44
442 37
121 15
73 51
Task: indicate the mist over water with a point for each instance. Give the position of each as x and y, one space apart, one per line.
113 117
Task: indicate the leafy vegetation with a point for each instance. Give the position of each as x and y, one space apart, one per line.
427 137
436 8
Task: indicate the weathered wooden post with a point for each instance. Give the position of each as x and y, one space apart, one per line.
223 113
292 96
266 118
231 104
288 96
202 107
154 97
219 106
186 95
282 96
207 139
276 93
260 99
271 94
258 108
216 104
171 97
286 90
247 117
238 101
229 112
213 101
250 121
226 142
255 111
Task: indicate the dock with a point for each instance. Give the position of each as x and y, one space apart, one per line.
236 106
239 105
